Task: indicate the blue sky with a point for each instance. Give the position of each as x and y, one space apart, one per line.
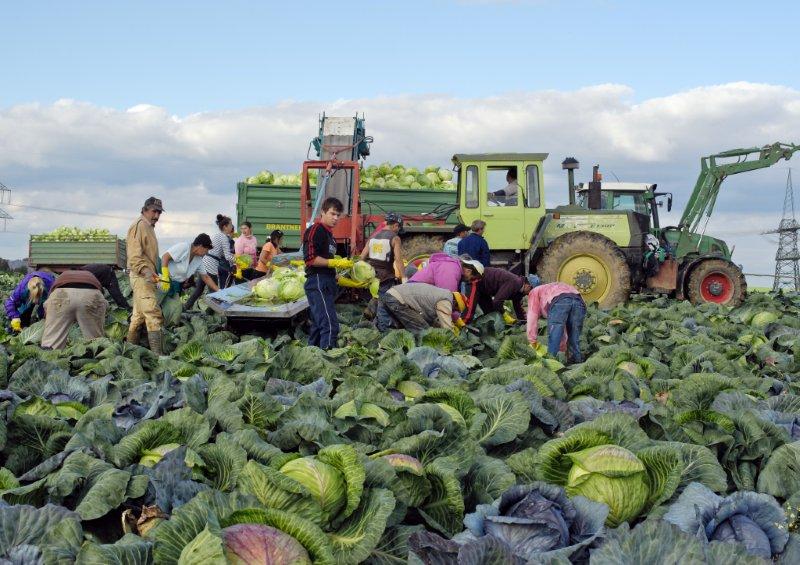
105 103
200 55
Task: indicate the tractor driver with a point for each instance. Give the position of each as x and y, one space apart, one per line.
507 196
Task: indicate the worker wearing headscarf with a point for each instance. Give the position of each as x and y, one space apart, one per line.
27 299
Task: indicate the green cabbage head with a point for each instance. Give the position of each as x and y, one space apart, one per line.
267 289
325 483
363 271
291 289
613 475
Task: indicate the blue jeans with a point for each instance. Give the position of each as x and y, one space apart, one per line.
566 312
383 320
321 292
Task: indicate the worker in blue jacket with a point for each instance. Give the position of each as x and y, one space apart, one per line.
474 245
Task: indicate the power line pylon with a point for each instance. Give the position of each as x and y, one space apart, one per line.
5 198
787 259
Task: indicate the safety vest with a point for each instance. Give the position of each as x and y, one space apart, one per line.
380 247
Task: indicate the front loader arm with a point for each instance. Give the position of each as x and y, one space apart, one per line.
706 189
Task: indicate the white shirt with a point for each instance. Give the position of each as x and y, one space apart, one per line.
180 266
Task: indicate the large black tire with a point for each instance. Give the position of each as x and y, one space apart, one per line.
591 263
421 245
717 281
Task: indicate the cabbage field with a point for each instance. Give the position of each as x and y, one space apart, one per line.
385 175
678 441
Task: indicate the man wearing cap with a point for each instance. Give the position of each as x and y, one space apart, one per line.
419 306
498 285
451 245
144 265
385 253
565 311
475 245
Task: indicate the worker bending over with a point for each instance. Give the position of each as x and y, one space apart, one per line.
107 278
442 271
319 254
76 296
27 299
144 265
419 306
565 311
182 261
498 285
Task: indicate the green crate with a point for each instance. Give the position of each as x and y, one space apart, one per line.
58 255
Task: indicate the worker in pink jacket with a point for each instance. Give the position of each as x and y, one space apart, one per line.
565 311
442 270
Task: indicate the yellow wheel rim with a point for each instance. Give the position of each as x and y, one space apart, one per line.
589 274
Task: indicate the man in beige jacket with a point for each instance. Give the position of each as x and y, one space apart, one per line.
143 264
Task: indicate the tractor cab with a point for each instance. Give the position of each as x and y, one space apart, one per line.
634 196
505 190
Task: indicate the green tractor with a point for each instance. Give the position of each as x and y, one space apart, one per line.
598 242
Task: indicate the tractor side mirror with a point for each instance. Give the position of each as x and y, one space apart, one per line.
669 203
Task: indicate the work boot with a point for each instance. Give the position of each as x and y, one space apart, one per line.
134 335
154 338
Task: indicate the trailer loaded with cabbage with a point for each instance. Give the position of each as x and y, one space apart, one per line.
69 247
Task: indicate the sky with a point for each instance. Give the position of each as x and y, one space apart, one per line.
105 103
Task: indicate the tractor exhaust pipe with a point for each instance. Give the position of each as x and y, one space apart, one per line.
595 195
570 164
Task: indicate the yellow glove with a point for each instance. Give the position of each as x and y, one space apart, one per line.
237 274
16 325
456 330
340 263
165 280
459 323
297 263
508 318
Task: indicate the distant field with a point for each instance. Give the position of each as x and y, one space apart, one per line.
759 289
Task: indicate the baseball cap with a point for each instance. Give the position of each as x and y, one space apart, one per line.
459 228
477 265
394 218
153 203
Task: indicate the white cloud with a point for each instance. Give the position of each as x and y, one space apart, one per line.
80 156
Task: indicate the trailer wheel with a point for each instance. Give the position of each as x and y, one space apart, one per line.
591 263
717 281
418 248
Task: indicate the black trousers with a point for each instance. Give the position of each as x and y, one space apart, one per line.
199 287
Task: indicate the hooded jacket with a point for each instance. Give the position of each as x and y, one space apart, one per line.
442 270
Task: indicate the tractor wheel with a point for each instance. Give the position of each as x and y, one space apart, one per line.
420 247
591 263
717 281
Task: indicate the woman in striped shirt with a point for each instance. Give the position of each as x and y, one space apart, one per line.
218 263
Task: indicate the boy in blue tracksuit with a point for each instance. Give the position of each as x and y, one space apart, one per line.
319 250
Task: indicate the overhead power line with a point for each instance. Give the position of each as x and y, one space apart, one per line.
100 215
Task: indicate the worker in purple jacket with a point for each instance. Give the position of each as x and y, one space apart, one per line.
498 285
28 299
